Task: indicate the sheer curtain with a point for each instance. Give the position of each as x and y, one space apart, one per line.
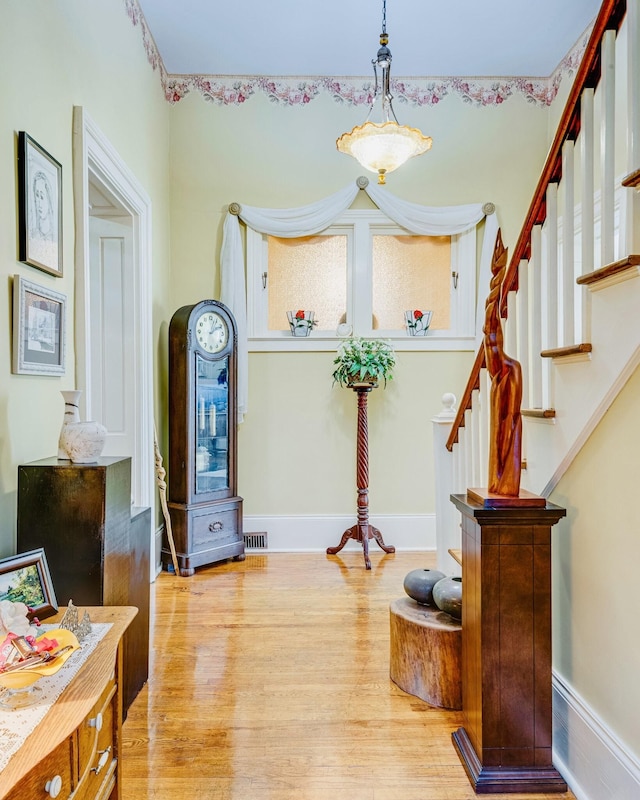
315 217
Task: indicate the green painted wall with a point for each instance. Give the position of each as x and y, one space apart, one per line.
596 552
263 154
54 55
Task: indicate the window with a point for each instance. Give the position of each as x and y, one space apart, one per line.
363 272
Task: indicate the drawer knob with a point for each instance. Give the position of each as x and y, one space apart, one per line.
54 786
104 757
215 526
96 722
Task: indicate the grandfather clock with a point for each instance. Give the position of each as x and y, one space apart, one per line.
204 507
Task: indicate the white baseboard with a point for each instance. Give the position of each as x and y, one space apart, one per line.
313 534
587 753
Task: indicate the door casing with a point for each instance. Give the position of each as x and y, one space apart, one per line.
96 162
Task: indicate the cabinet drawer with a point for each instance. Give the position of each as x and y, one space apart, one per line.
215 529
57 765
96 738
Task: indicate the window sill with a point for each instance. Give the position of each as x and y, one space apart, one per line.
318 343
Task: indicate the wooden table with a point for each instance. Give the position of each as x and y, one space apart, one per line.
74 704
362 531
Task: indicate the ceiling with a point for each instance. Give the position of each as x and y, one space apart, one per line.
340 37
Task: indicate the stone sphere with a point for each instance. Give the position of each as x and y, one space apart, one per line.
419 583
447 595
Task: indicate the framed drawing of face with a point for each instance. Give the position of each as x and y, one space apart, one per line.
40 207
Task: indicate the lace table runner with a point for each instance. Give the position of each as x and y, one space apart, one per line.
17 724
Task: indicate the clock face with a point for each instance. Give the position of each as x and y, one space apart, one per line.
211 332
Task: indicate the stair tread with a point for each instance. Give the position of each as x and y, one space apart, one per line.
632 179
571 350
617 267
538 413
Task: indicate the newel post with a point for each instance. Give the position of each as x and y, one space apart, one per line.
447 520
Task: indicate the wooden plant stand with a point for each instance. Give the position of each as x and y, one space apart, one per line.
362 531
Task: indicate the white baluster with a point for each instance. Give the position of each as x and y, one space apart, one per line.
485 386
632 206
545 299
447 517
587 155
535 290
567 308
468 449
510 326
523 330
461 478
476 425
607 90
552 267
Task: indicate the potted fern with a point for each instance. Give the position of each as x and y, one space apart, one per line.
363 361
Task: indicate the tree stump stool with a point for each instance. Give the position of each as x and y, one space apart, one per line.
426 653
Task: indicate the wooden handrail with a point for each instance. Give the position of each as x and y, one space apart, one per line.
465 401
588 76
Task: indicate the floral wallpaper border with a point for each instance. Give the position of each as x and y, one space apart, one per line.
228 90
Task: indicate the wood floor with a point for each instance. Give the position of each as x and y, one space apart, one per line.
270 681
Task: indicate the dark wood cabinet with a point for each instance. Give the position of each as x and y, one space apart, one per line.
204 506
97 546
505 741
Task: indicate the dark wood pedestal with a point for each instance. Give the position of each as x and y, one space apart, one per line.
362 531
505 742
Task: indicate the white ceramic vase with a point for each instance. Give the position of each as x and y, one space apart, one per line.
83 441
79 442
71 414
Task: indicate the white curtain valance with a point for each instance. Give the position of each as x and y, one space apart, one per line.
315 217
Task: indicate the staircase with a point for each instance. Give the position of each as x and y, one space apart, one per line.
572 309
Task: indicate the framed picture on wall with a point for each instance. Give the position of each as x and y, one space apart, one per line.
40 206
38 329
25 578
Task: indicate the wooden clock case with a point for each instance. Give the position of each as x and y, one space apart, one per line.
204 506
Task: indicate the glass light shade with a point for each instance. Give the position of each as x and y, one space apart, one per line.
383 146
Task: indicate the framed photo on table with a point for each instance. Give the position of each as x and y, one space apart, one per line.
25 578
39 316
40 206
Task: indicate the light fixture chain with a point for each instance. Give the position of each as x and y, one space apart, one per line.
383 146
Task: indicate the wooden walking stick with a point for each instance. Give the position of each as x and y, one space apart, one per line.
161 474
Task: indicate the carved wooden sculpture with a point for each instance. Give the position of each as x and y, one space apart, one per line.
505 448
505 743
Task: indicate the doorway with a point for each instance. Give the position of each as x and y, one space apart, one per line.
113 305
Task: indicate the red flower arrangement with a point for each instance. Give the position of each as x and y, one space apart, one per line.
418 322
301 322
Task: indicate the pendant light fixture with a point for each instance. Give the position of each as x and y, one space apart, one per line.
385 145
